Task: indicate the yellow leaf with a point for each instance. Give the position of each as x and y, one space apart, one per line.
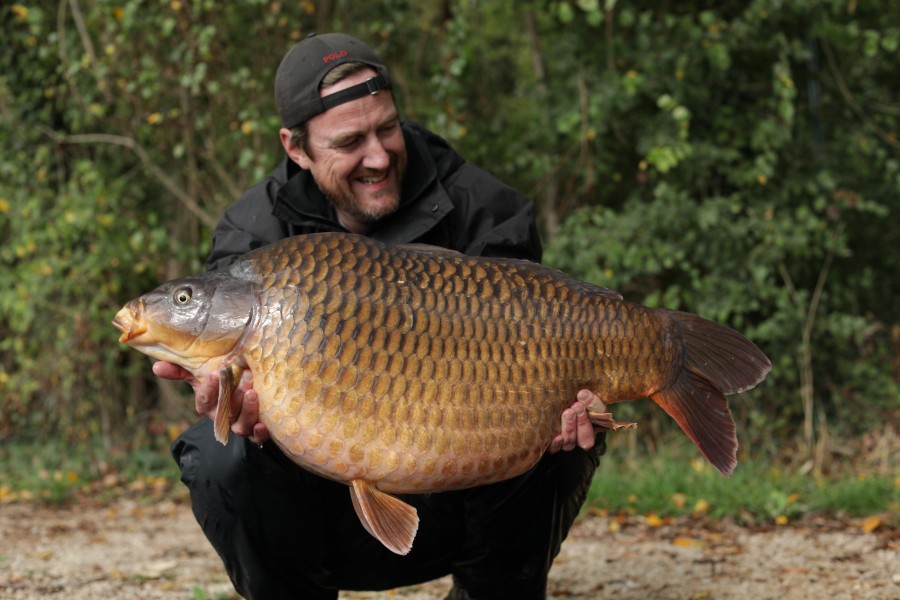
4 205
246 127
153 118
686 542
679 500
701 507
653 520
781 520
173 431
870 524
20 11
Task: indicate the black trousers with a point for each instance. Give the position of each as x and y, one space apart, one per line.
283 532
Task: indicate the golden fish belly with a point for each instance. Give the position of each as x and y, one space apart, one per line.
424 372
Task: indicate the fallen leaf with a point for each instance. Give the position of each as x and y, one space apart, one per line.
157 569
653 520
701 507
687 542
870 524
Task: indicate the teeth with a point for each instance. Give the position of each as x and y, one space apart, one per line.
373 179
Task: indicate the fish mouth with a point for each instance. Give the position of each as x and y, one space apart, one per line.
128 320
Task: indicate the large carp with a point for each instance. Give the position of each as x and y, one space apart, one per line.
403 369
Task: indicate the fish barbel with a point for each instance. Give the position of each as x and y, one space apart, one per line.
404 369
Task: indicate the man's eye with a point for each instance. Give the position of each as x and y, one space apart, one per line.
389 127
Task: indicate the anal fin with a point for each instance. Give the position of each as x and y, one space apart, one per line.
391 521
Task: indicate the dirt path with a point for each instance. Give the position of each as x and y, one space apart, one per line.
133 550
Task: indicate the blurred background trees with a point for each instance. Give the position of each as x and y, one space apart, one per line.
735 159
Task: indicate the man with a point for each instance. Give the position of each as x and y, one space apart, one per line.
353 165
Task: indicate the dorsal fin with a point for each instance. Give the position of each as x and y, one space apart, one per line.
428 249
391 521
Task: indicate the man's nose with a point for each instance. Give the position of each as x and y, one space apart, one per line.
376 156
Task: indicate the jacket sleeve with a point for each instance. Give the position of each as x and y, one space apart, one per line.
246 225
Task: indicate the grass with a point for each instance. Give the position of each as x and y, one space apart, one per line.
55 472
681 483
677 483
200 594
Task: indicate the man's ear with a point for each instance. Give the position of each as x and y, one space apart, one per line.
295 153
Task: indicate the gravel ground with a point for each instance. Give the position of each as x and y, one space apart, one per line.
131 549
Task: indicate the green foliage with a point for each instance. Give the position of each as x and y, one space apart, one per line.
740 161
55 472
746 182
679 483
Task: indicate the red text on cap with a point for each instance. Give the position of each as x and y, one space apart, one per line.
334 56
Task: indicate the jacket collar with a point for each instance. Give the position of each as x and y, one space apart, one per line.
423 202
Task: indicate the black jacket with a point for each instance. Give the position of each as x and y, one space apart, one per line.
445 202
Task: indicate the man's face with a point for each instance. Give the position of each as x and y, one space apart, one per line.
356 154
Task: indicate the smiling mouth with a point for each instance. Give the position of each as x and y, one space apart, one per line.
373 180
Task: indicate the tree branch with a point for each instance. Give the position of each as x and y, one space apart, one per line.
851 99
166 181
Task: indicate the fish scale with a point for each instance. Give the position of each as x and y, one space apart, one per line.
391 316
405 369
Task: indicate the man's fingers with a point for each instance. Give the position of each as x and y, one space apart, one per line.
584 431
206 395
248 413
555 445
569 429
591 400
260 434
171 371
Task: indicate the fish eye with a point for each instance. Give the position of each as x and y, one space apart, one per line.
183 295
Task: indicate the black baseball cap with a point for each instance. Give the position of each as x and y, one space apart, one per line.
305 65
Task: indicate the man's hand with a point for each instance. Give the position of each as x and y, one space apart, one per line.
244 401
576 428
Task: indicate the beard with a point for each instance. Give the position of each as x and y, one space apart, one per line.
365 212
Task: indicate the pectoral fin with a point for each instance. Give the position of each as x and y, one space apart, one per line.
391 521
229 375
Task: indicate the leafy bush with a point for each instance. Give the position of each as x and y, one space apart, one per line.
739 161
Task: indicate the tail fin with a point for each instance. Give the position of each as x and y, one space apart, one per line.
717 361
